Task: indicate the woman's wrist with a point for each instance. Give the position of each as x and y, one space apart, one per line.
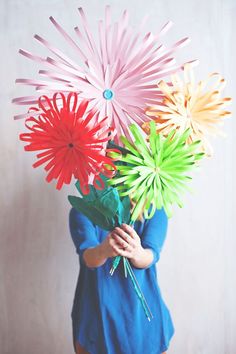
143 258
138 255
103 252
95 257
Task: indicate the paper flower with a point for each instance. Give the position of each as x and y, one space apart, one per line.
117 74
156 172
72 145
186 105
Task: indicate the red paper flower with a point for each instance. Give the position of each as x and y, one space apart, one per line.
72 140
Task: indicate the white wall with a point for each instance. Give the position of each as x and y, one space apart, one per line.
39 267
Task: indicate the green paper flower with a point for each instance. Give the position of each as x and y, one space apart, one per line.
157 171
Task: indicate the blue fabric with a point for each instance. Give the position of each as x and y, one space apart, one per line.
107 316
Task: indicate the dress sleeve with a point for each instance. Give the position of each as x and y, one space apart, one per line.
154 233
83 231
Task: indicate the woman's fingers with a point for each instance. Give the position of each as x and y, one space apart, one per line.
122 252
124 236
121 233
123 243
124 240
129 230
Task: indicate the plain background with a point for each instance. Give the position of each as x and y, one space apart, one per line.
38 264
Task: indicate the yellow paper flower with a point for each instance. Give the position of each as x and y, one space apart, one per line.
189 105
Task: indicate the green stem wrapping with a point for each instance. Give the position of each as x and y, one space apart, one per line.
115 263
125 267
138 290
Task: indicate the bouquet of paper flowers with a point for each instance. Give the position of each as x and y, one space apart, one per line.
115 122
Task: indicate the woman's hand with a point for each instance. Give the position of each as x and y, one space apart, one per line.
126 242
109 246
96 256
122 241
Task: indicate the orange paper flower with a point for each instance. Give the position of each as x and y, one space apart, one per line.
189 105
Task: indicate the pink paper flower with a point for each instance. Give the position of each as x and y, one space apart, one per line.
117 74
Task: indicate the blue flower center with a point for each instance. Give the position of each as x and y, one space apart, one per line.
108 94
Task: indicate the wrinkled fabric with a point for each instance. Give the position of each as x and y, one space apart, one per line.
107 316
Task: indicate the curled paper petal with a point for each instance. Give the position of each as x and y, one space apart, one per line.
71 141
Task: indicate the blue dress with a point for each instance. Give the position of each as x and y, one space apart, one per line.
107 316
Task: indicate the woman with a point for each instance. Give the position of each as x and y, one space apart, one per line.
107 316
